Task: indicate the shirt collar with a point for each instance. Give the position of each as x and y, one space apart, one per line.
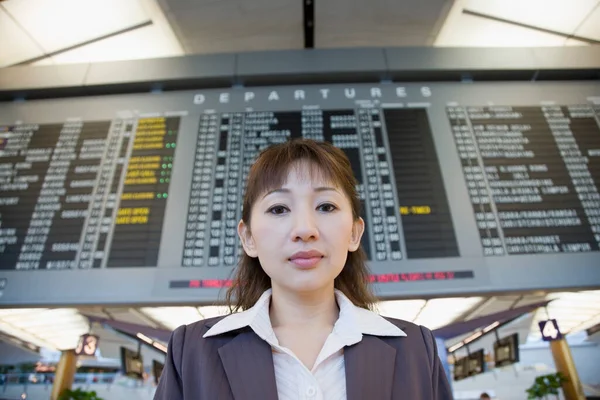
352 323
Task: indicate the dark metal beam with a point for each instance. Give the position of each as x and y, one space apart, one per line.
308 7
293 67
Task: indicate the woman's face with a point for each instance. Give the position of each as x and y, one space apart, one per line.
302 232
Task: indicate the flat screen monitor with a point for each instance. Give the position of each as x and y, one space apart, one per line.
476 363
157 368
461 368
506 350
132 363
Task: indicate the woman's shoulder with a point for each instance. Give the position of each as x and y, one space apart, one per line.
417 333
413 331
407 325
402 324
206 324
194 331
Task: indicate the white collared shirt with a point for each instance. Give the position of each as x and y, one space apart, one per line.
327 379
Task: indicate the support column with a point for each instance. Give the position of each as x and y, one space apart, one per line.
65 373
443 354
563 361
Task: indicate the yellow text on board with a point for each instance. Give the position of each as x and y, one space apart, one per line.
415 210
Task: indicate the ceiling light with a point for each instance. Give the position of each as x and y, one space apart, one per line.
401 309
490 327
441 312
455 347
144 338
473 337
173 317
57 329
573 311
159 346
213 311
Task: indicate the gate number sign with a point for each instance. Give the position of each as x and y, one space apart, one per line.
549 330
87 345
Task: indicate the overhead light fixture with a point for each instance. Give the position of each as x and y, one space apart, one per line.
490 327
160 346
455 347
407 310
574 312
144 338
480 333
441 312
172 317
56 329
473 337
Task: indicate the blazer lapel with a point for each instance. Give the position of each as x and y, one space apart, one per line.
369 368
248 364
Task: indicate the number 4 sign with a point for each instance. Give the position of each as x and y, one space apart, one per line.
550 330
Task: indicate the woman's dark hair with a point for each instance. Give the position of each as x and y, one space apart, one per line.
269 172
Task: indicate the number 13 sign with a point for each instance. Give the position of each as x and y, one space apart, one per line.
87 345
550 330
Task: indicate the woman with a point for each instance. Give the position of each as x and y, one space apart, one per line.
305 330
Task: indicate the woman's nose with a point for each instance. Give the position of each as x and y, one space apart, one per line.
305 227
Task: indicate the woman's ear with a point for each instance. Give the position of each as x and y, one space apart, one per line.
358 228
246 239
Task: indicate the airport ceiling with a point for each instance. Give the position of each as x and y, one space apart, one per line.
236 25
72 31
60 328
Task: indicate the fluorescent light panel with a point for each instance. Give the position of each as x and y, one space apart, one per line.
213 311
401 309
57 329
568 18
172 317
557 15
59 24
142 43
441 312
160 346
573 311
144 338
490 327
15 44
19 311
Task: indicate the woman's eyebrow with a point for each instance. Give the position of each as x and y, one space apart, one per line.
325 189
280 190
318 189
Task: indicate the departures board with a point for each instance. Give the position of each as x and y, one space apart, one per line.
465 188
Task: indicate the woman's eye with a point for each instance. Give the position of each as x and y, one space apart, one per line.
327 207
277 210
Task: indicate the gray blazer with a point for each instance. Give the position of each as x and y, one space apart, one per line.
239 365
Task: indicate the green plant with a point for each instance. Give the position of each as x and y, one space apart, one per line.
78 394
546 385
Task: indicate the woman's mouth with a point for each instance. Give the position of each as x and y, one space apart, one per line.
306 259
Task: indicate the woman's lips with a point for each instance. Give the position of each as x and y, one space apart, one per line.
309 262
306 259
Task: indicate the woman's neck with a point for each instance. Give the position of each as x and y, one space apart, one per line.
302 310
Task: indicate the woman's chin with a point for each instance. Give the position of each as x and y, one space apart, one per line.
305 283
